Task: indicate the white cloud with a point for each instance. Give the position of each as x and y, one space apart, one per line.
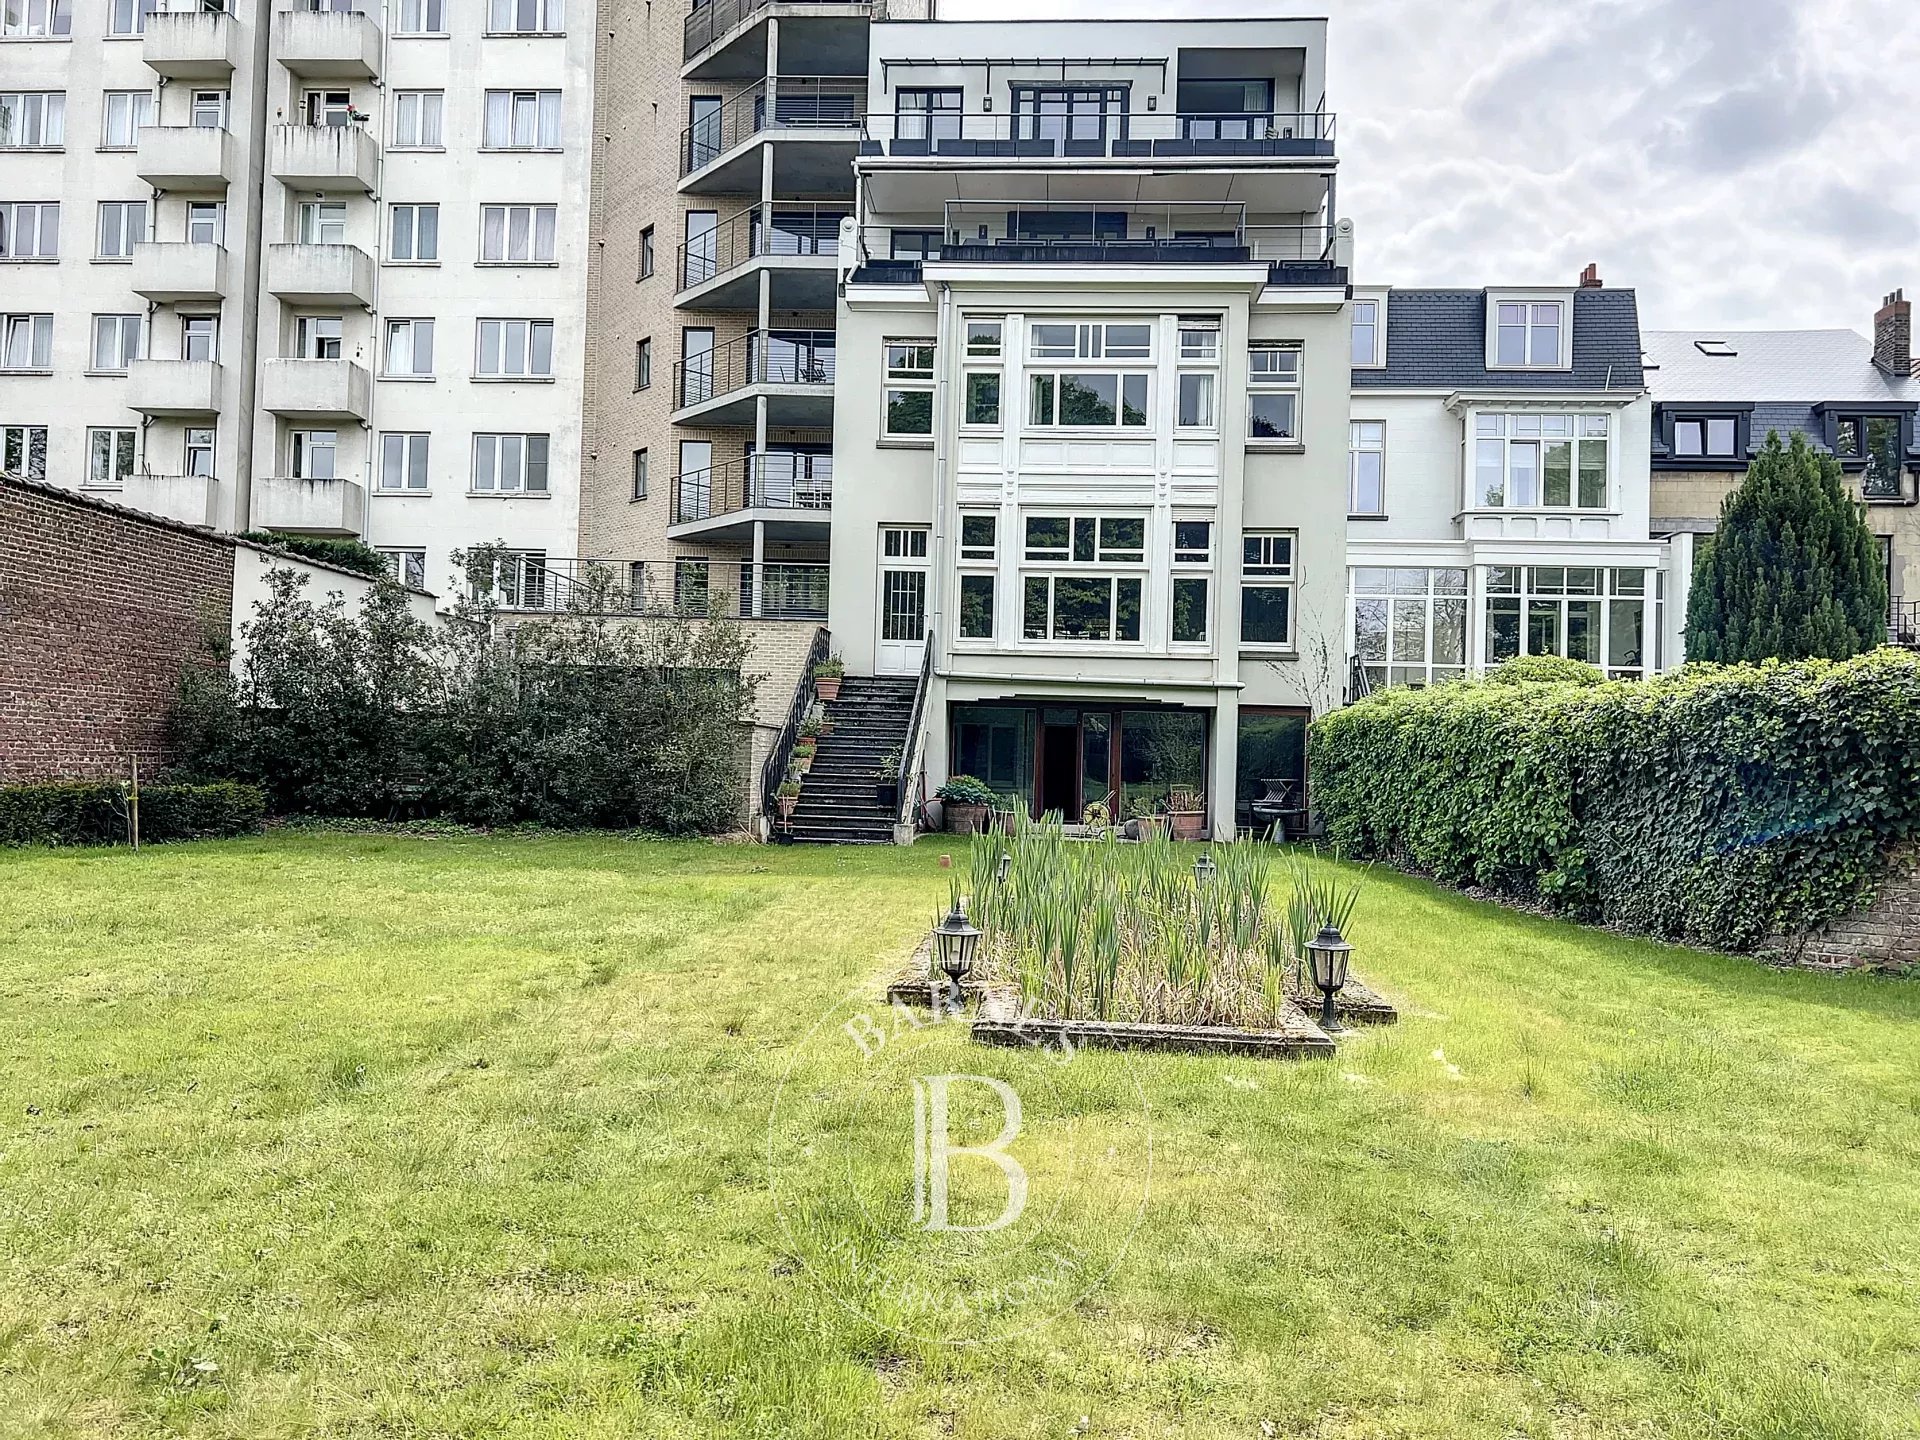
1741 163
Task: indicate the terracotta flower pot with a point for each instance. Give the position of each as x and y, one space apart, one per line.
786 804
827 687
1188 824
965 819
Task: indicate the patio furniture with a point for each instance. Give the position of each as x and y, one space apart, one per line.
1281 810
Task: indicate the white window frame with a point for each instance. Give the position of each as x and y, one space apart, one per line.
407 338
124 113
316 224
311 340
509 464
208 446
39 217
509 349
903 374
19 445
129 17
1375 355
405 455
411 220
1392 590
1269 375
214 105
1192 565
509 17
1367 438
305 447
1521 433
43 112
522 120
1117 564
983 344
1532 307
191 328
37 20
1266 571
1531 588
407 565
421 17
538 234
218 215
26 336
419 120
125 234
123 455
978 564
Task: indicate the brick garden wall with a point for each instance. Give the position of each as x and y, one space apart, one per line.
100 608
1885 936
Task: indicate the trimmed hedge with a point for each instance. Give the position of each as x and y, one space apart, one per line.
86 812
1720 806
353 555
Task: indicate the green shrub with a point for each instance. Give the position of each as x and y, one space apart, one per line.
92 812
966 790
347 554
1544 669
1719 806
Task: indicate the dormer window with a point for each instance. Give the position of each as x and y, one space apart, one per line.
1529 334
1706 437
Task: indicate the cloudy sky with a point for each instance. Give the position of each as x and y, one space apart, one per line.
1742 163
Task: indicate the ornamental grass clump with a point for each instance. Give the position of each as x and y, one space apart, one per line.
1108 930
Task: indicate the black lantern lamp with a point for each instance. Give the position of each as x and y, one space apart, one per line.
1204 869
1006 866
1329 955
954 940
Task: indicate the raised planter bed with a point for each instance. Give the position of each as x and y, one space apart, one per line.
999 1022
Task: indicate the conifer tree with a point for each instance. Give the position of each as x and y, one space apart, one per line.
1794 573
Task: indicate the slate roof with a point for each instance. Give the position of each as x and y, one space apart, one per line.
1771 366
1437 340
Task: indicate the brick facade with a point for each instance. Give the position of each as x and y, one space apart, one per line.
1884 936
100 610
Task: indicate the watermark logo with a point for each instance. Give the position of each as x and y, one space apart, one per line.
952 1190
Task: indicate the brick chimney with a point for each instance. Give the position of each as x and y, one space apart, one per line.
1893 335
1590 278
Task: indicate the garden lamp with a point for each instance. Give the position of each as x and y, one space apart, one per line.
1204 869
955 939
1006 866
1329 954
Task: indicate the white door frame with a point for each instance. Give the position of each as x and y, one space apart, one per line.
899 655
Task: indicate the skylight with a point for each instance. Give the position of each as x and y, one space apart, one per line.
1718 348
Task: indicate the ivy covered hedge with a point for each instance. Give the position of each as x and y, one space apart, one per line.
88 812
1720 806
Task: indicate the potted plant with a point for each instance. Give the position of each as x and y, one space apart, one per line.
827 676
1186 813
803 752
812 728
786 796
1142 818
1006 814
966 801
886 781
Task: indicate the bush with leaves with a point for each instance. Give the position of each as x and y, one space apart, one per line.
1721 806
1544 669
95 812
355 555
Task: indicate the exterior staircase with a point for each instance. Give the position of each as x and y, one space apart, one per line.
872 717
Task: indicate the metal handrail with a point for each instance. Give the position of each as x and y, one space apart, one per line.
913 753
759 357
1903 623
1359 683
708 23
1234 243
1025 133
756 232
691 586
772 481
773 770
781 102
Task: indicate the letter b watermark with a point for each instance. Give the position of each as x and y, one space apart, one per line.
933 1150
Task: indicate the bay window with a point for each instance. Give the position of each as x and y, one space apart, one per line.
1540 462
1409 624
1089 399
1074 588
1580 612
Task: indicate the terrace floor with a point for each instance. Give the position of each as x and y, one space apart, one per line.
325 1134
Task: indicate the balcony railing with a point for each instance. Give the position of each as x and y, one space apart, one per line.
760 357
760 231
777 480
785 102
694 587
707 23
1097 134
1903 623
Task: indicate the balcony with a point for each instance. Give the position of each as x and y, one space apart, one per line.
174 389
327 275
186 498
327 158
316 389
728 38
789 493
198 45
168 272
701 588
796 244
308 507
814 118
184 157
327 44
791 369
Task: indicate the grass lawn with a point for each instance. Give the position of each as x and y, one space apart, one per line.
337 1135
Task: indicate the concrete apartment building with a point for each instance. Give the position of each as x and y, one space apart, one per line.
316 266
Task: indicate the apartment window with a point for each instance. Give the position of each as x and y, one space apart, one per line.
329 109
317 337
916 244
1267 578
1529 334
525 17
976 606
1273 392
1706 437
1604 617
522 120
23 450
511 349
199 337
36 19
1409 624
1367 468
1113 341
198 451
110 455
116 342
517 234
1873 443
640 474
122 115
979 538
414 235
982 399
422 17
1529 462
979 546
409 567
209 110
323 222
403 462
409 349
1084 539
646 252
642 364
29 230
1191 590
1083 399
1366 333
28 342
32 119
927 115
123 224
314 454
909 388
124 17
206 222
417 119
1072 604
510 464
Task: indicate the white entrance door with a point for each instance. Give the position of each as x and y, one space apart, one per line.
903 600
